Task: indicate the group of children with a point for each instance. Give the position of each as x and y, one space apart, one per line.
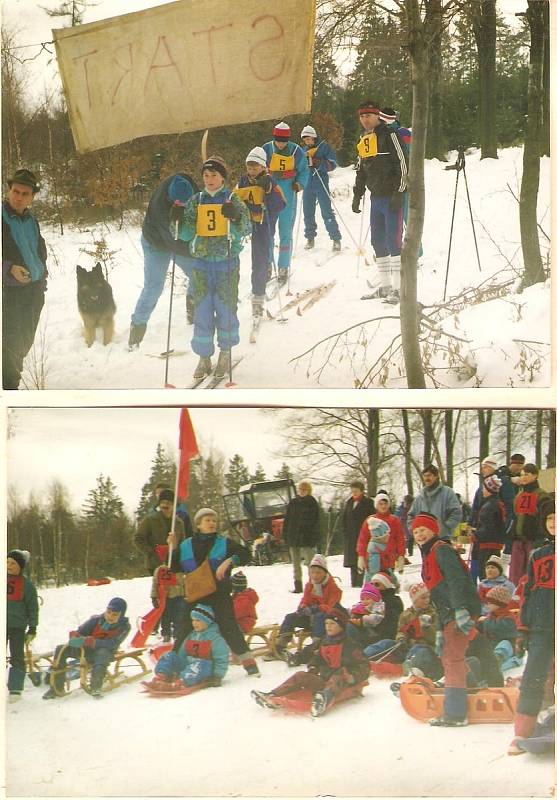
452 628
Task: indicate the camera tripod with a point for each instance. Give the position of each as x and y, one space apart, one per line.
460 166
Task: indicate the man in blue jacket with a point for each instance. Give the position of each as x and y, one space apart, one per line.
23 275
159 246
439 500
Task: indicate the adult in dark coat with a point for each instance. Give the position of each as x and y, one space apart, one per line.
357 508
301 531
152 532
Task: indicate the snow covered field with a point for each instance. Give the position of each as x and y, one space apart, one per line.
220 743
491 327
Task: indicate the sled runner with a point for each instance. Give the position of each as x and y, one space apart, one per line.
300 702
160 688
117 672
423 700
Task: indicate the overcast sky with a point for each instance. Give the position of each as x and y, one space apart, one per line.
77 444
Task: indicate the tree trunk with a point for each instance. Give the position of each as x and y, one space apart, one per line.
545 132
372 449
484 424
407 453
539 437
435 146
551 443
533 266
484 27
449 448
508 436
428 435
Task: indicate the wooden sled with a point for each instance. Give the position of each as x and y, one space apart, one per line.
159 688
117 672
423 700
300 702
270 635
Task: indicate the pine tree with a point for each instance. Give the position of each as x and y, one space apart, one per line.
107 530
237 475
163 470
284 473
213 484
258 475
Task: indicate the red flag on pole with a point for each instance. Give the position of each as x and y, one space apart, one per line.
188 450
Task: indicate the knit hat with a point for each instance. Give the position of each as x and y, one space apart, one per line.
370 591
239 581
319 561
166 494
417 590
339 615
21 557
368 107
490 461
426 521
282 132
217 164
377 526
498 596
117 604
387 115
547 507
204 512
496 561
26 178
492 483
517 458
381 495
258 156
308 131
384 579
203 612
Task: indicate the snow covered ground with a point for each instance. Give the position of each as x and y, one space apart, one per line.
490 327
220 743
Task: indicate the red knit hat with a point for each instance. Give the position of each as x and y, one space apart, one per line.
417 590
498 596
384 579
282 131
426 521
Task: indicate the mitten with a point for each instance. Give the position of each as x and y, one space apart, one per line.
89 641
296 187
464 621
264 181
425 620
76 641
176 213
30 635
396 201
439 642
230 211
316 161
400 564
155 602
361 564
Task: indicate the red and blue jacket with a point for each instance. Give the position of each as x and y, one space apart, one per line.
339 653
537 608
99 634
447 577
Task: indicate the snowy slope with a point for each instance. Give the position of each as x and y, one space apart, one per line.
219 742
488 327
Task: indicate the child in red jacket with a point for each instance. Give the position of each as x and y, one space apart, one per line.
244 600
321 595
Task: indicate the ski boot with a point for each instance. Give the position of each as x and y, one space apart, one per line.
282 275
261 699
336 246
320 702
445 721
310 244
257 302
204 367
97 694
137 332
222 364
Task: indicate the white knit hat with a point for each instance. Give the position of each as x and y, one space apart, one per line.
381 495
204 512
308 131
319 561
258 155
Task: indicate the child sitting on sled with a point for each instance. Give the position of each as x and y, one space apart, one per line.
499 625
244 600
98 638
366 615
202 657
338 664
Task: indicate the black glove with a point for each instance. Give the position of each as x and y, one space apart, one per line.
264 181
396 201
315 161
356 204
230 211
296 187
176 214
155 602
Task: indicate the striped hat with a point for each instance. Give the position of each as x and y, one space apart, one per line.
204 613
282 131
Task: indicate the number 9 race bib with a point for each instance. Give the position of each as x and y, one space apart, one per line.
367 146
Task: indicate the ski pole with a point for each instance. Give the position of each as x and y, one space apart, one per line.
167 353
360 246
340 216
472 218
229 283
282 318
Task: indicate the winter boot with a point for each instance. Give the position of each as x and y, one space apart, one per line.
447 722
298 587
524 725
320 702
257 302
261 698
310 244
204 367
223 364
14 697
251 668
137 332
190 309
282 275
336 246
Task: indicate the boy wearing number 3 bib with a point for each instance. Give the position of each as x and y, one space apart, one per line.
210 217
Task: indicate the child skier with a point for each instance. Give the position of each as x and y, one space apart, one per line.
98 638
288 165
203 656
22 618
321 160
454 596
536 629
244 599
265 201
215 221
339 663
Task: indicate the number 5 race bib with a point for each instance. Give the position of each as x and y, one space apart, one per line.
281 163
210 220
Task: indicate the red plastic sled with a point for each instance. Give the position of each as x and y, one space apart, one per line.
423 700
158 688
159 650
385 669
98 581
300 702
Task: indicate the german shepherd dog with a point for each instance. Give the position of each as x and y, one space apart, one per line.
95 303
